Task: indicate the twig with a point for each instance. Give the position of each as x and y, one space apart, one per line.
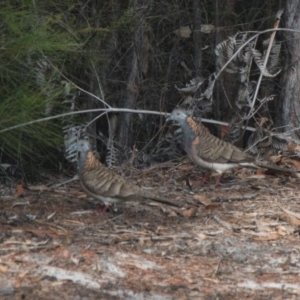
226 224
78 87
249 41
217 269
55 186
234 198
266 60
107 110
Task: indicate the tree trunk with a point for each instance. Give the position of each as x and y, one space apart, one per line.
289 101
137 54
197 37
226 86
93 79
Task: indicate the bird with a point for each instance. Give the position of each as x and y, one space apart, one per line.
105 184
210 152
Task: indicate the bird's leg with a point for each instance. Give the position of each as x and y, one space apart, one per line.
103 209
112 208
218 182
206 177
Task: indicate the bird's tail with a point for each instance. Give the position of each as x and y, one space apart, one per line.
159 199
271 166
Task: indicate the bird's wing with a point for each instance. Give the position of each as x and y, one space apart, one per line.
215 150
100 180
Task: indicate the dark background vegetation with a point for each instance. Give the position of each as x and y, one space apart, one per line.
128 54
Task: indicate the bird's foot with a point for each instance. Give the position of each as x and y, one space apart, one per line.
111 208
206 178
103 209
218 182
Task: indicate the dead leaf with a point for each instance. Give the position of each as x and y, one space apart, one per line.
81 196
294 162
186 167
293 148
224 130
183 32
207 28
212 206
42 232
201 236
261 171
292 220
23 274
3 268
291 213
263 120
20 190
172 214
190 212
40 188
18 282
282 232
65 253
188 183
287 263
186 31
270 237
75 222
76 260
203 200
276 159
77 193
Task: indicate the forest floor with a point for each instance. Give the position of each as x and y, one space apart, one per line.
242 242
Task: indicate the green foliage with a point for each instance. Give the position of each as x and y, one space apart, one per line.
31 88
94 43
125 21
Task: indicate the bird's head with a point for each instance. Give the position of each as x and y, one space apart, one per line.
83 146
79 146
179 115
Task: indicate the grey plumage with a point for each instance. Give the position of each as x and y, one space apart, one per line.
105 184
210 152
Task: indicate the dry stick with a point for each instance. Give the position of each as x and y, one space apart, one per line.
233 198
226 224
78 87
111 109
237 52
266 60
249 41
57 185
98 117
137 111
127 110
217 269
258 142
116 110
235 55
90 94
102 100
107 110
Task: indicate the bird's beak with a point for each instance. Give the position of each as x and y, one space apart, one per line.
169 118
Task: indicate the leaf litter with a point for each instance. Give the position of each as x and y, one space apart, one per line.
240 241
